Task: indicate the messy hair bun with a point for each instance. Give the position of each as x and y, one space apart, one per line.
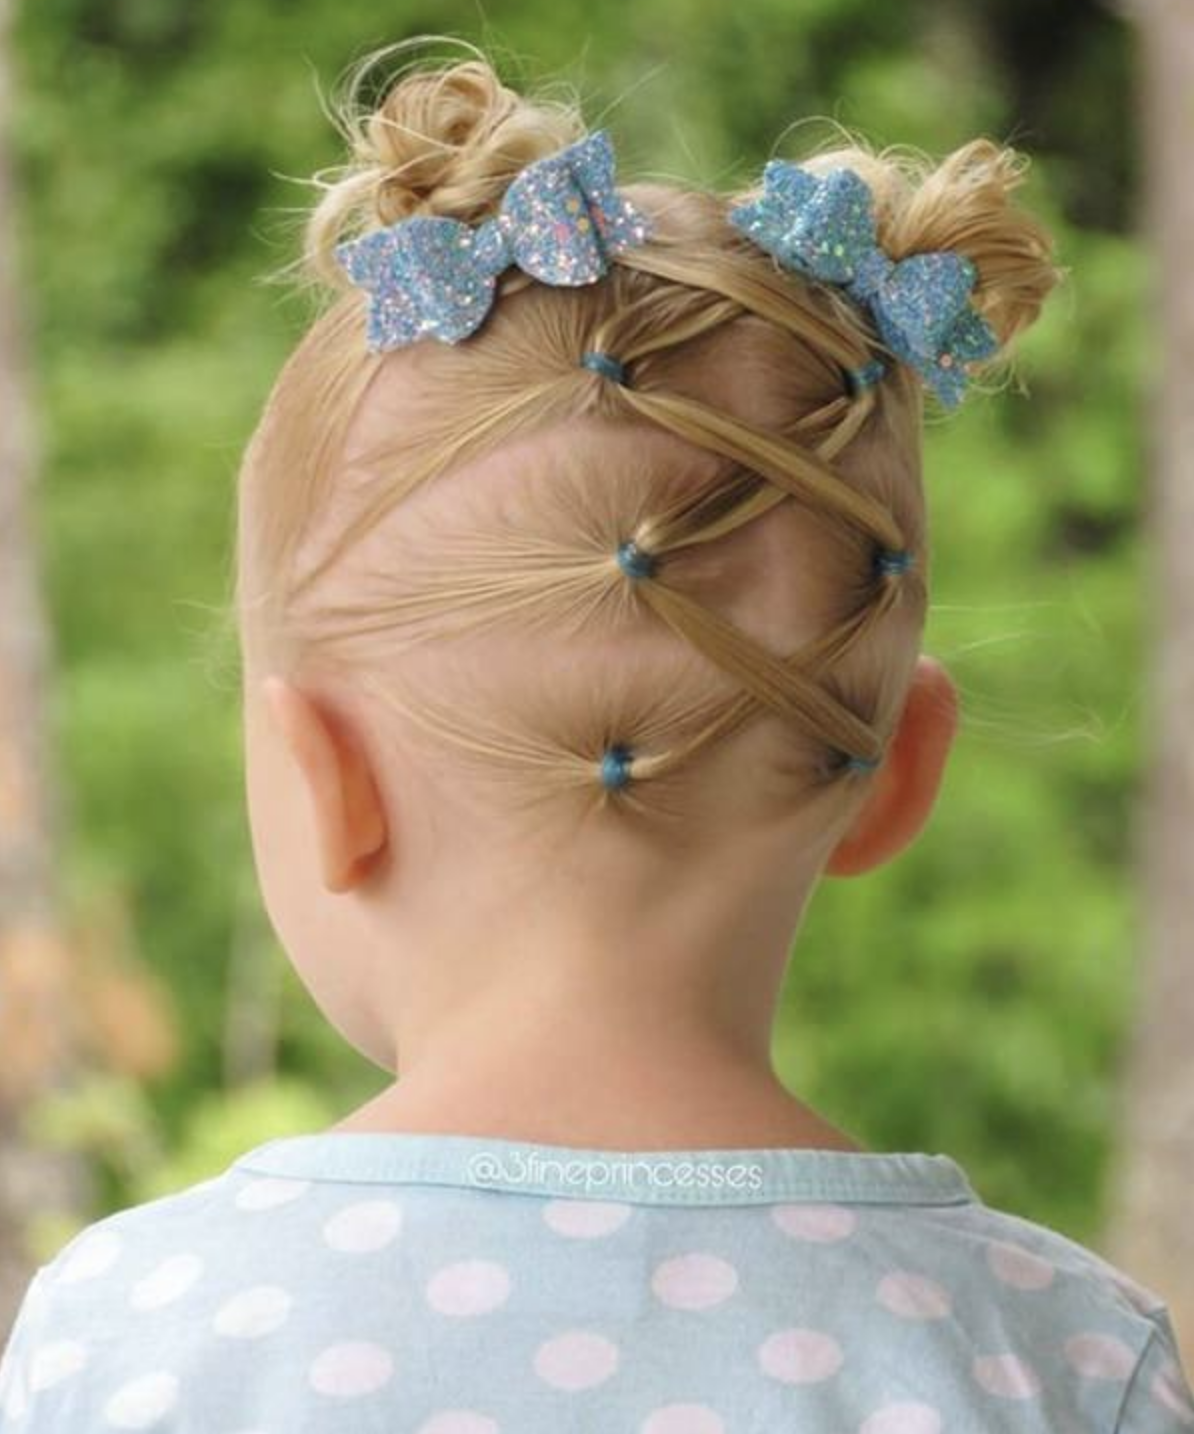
965 204
441 141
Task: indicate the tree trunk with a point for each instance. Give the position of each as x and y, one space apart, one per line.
1150 1234
36 1041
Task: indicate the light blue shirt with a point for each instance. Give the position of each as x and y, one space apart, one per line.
352 1283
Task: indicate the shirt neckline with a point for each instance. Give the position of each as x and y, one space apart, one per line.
714 1176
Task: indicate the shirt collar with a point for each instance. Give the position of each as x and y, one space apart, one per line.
722 1176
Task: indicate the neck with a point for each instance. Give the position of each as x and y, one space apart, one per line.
605 1055
532 1011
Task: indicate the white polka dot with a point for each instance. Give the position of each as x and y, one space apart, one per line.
800 1356
906 1417
585 1219
254 1312
912 1296
1099 1356
468 1287
50 1363
1006 1375
351 1368
459 1421
168 1281
694 1281
1169 1390
269 1192
93 1255
820 1223
366 1226
683 1419
1018 1267
140 1403
577 1359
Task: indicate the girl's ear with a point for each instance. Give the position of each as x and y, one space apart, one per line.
906 785
343 794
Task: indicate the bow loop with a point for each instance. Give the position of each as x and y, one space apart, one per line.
921 299
560 220
824 227
424 279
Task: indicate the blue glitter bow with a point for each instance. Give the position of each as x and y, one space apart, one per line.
825 228
560 219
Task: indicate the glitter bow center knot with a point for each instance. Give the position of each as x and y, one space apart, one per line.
560 220
824 227
872 273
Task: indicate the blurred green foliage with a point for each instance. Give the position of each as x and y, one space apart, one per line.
973 996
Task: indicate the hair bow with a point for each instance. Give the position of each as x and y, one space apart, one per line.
825 228
560 219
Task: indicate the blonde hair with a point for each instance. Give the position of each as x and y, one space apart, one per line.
737 398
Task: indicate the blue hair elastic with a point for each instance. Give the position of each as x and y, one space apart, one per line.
633 561
605 364
865 764
867 376
894 560
615 767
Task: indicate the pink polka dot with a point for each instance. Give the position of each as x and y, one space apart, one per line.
800 1356
363 1227
254 1312
1170 1391
820 1223
468 1287
913 1296
683 1419
167 1282
51 1363
459 1421
1007 1375
142 1402
269 1192
585 1219
94 1255
577 1359
906 1417
1018 1267
350 1369
695 1281
1099 1356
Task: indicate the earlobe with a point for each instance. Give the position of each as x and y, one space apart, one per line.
343 796
905 787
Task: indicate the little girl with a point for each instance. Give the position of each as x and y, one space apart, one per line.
582 573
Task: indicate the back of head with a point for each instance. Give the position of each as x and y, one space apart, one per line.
443 530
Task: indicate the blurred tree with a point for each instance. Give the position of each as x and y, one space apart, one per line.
1151 1233
36 1036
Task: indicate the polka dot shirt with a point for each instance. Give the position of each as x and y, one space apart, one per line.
353 1283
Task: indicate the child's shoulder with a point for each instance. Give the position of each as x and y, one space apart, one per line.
1023 1254
170 1229
1075 1317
